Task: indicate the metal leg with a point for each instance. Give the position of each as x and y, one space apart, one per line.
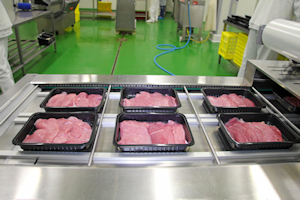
53 30
219 59
19 49
93 9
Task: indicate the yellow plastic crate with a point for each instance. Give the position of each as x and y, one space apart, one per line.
104 6
240 48
227 44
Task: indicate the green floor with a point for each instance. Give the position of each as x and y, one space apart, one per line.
92 47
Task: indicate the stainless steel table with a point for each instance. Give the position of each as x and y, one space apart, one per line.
206 171
27 49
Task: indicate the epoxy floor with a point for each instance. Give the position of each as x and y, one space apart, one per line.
93 47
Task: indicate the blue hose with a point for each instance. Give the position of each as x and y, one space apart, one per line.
173 47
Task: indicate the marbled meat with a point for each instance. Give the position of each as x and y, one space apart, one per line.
244 132
72 100
146 99
60 131
134 132
230 100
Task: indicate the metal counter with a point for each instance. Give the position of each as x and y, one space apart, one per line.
206 171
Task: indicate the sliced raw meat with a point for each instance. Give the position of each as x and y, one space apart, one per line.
172 101
94 100
161 133
82 95
159 99
237 99
248 102
68 100
38 136
145 99
56 99
82 102
50 125
268 135
230 100
134 132
252 131
178 132
135 138
130 126
71 130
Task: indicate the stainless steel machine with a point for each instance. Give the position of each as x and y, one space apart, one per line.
182 18
64 15
125 16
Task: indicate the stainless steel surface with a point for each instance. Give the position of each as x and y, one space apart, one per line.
125 16
190 15
280 73
154 175
279 181
136 80
99 127
203 128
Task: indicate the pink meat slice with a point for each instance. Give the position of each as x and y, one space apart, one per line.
50 125
94 100
81 132
237 99
171 100
38 136
129 126
277 133
161 133
82 95
248 102
215 102
267 135
160 100
73 101
133 132
178 132
222 101
238 131
68 100
82 102
143 99
56 100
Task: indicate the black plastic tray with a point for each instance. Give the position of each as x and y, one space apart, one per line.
29 128
131 92
216 92
279 97
176 117
288 135
89 90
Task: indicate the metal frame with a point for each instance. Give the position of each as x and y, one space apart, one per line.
30 50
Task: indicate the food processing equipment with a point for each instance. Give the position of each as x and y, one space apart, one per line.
181 16
209 169
63 15
125 16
